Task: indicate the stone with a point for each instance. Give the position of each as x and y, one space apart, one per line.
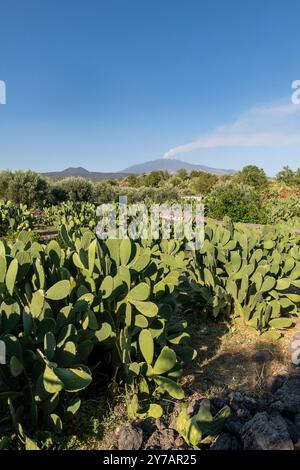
130 438
147 426
266 432
235 397
262 356
295 372
160 424
243 414
297 420
242 407
174 415
234 426
179 442
164 440
274 382
119 410
225 442
250 404
287 397
218 403
264 402
294 432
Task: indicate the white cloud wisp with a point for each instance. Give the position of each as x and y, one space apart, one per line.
268 126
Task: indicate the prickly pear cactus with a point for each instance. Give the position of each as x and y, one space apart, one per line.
82 304
249 274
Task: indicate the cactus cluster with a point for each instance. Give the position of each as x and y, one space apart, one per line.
78 305
248 274
14 218
68 309
76 216
201 427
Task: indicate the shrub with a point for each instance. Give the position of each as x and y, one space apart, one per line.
56 194
289 177
154 179
202 183
251 175
150 195
282 209
78 189
5 179
24 187
236 201
105 192
132 181
182 174
174 181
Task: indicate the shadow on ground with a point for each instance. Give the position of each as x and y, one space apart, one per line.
235 359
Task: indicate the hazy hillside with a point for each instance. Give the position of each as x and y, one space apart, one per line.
172 166
79 171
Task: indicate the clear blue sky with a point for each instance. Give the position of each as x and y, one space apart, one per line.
108 83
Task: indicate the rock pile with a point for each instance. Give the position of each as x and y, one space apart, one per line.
270 421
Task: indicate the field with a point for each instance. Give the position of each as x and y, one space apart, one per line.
123 343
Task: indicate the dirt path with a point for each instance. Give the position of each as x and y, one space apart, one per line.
45 232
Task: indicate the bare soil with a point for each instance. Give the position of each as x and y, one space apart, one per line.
225 358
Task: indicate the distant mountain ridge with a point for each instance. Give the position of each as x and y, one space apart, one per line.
172 166
82 172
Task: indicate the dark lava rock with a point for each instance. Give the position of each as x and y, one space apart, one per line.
264 402
266 432
147 426
295 373
225 442
297 420
218 403
262 356
250 404
294 432
234 426
287 397
243 407
164 440
275 382
243 414
130 438
235 399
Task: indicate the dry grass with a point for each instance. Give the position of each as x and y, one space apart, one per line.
225 358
